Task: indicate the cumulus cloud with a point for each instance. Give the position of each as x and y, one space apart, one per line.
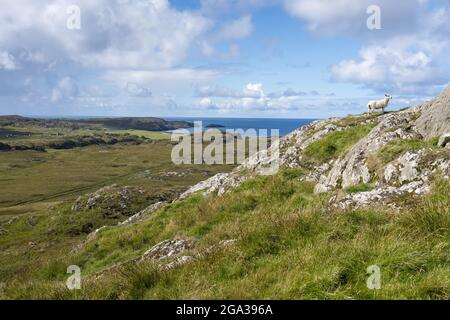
404 64
122 45
128 34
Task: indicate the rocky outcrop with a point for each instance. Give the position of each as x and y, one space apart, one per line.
380 196
219 184
434 120
167 249
173 253
416 165
352 169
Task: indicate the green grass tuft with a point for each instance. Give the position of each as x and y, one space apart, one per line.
336 143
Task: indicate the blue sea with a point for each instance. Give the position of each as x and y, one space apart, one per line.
285 126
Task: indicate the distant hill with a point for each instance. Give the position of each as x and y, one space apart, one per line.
149 124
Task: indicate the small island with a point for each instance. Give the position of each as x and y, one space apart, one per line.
215 126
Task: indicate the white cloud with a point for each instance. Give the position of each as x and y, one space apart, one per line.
206 103
416 63
237 29
7 61
65 89
254 90
113 34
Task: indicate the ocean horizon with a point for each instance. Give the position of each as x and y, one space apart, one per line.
285 126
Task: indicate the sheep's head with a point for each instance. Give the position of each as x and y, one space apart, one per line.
388 97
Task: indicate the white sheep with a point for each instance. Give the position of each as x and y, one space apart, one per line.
379 104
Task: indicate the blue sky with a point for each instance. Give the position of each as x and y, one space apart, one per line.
219 58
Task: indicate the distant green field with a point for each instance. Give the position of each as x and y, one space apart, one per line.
27 177
155 135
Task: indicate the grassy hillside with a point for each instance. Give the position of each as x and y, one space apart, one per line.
284 240
289 247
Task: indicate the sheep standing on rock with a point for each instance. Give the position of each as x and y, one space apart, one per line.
379 104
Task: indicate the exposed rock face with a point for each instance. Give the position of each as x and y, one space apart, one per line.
416 166
168 249
219 183
380 196
172 253
352 169
435 116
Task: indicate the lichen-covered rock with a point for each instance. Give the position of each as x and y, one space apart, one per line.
415 165
380 196
167 249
